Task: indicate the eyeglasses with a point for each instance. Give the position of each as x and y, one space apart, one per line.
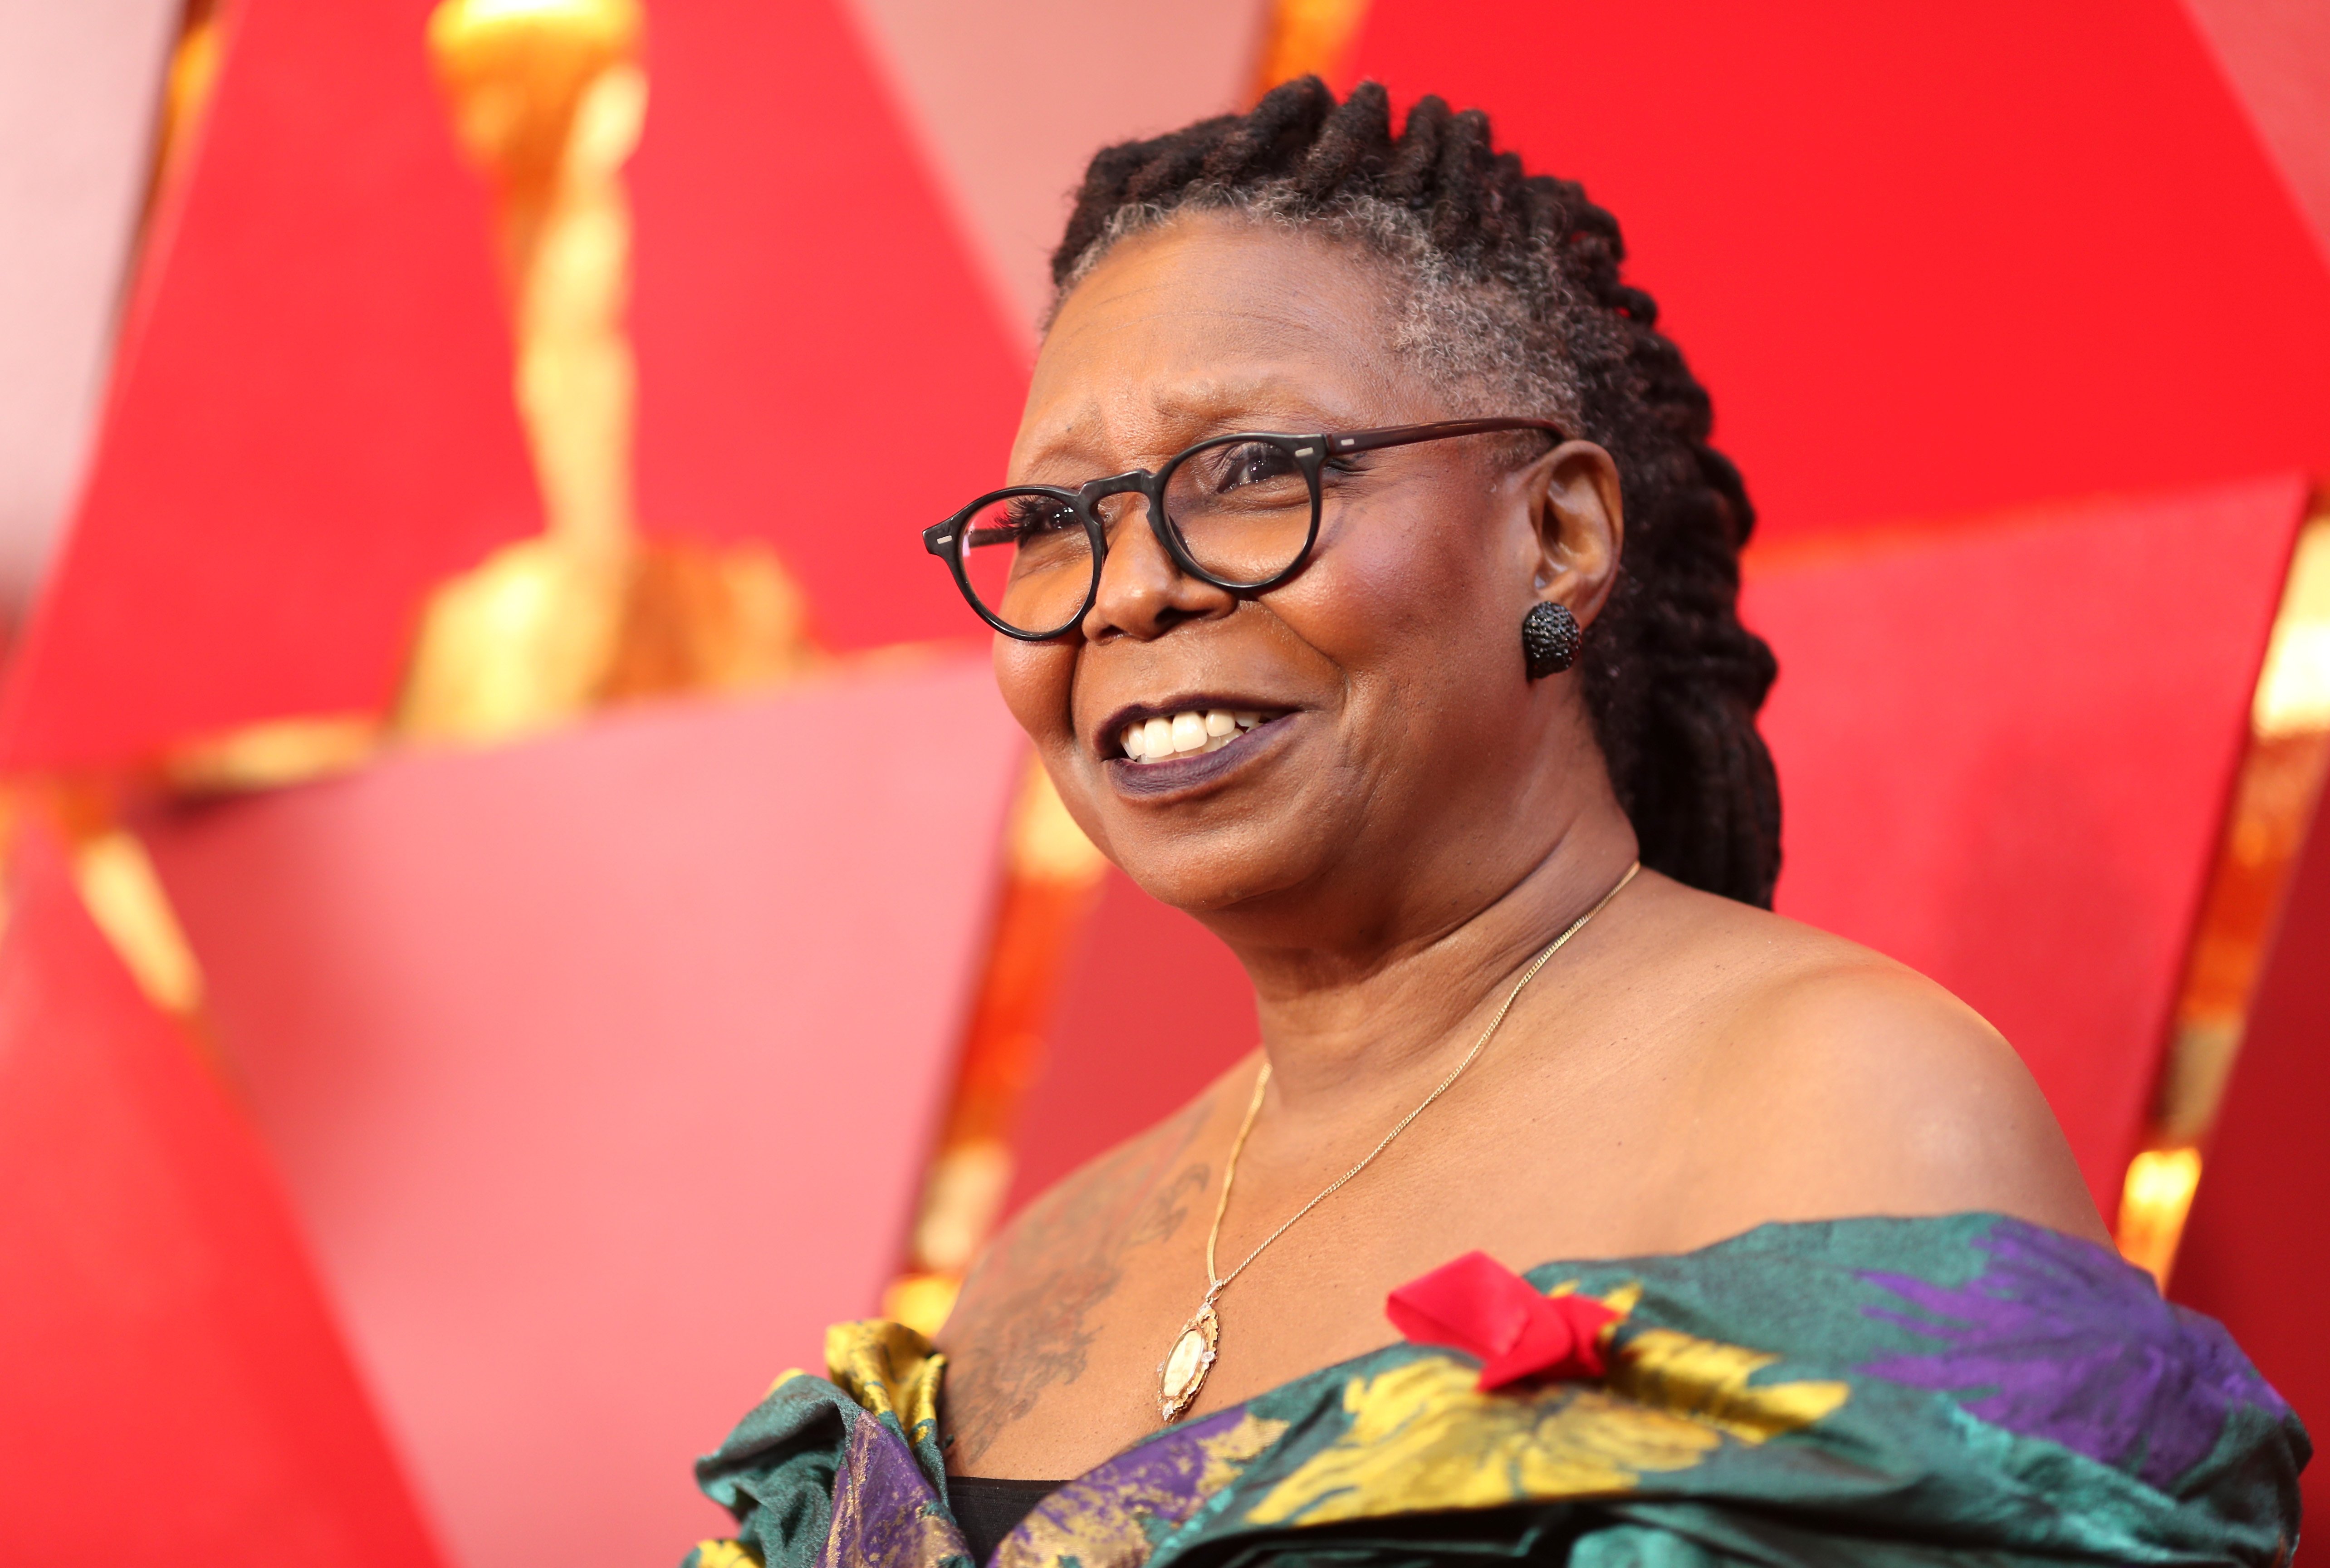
1238 511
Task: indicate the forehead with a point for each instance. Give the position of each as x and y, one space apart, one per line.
1213 322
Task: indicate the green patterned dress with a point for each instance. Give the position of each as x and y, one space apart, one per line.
1965 1390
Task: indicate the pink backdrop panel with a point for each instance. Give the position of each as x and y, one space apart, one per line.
2276 53
604 1068
821 363
1932 257
175 1389
2004 753
1009 160
310 420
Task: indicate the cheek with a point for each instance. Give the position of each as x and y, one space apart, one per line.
1035 679
1398 583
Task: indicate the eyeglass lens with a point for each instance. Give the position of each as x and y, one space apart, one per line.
1242 507
1027 560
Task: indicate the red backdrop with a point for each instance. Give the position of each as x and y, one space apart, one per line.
1932 258
310 423
820 364
174 1387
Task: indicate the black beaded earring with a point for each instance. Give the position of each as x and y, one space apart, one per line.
1550 638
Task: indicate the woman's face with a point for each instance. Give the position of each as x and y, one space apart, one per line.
1402 754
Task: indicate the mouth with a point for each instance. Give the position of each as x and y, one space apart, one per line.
1154 737
1156 751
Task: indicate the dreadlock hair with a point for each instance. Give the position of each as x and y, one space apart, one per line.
1512 290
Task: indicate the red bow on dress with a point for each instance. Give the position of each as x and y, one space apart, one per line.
1480 1307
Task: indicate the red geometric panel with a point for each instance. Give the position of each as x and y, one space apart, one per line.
173 1386
820 365
604 1068
2003 752
1933 257
310 421
2253 1252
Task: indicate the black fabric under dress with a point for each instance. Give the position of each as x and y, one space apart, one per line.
986 1509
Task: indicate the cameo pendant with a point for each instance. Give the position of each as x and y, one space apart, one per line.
1191 1358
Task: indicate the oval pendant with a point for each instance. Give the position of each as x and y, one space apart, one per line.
1186 1364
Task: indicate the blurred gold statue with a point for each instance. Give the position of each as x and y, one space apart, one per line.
548 98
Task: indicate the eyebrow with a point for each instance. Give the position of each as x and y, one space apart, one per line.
1193 412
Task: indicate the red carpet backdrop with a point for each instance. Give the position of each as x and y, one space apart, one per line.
459 956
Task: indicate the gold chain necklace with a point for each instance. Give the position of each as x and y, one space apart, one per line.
1198 1345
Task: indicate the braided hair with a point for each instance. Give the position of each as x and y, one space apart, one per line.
1512 289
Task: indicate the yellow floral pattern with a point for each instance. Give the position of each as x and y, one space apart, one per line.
889 1369
1228 1453
1423 1438
1707 1381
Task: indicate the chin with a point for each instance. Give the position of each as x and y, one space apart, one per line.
1204 871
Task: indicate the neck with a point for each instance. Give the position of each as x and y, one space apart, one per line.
1402 997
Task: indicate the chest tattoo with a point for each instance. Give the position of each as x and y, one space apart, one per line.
1024 1325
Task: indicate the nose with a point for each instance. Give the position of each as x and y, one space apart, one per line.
1144 592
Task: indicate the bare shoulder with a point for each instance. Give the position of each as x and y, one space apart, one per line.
1842 1083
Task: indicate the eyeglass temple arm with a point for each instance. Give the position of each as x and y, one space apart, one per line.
1408 434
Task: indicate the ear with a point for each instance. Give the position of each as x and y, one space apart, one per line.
1574 500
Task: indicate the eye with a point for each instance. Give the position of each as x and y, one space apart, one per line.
1031 515
1254 464
1022 519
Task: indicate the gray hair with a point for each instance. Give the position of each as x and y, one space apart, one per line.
1493 334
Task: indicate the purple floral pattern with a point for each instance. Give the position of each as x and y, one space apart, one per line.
1114 1515
2058 1339
885 1512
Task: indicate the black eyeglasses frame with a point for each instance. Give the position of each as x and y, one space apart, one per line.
1310 453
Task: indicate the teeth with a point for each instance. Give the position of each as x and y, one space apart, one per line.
1185 734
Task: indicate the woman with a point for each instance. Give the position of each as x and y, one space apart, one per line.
1431 702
